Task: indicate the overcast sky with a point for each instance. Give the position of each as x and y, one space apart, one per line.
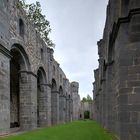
76 25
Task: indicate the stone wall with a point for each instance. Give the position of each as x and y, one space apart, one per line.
86 106
76 101
34 90
117 83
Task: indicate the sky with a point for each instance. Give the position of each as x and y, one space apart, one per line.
76 26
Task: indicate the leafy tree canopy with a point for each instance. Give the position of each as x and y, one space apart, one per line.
87 99
42 25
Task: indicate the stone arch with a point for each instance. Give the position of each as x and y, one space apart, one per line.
42 75
61 90
21 57
54 85
19 66
69 108
41 97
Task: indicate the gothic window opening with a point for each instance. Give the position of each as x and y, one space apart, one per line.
42 55
111 50
21 28
53 70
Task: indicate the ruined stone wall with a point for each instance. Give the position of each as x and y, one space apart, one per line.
117 104
76 98
86 106
34 90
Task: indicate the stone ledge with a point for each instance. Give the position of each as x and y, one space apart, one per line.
5 51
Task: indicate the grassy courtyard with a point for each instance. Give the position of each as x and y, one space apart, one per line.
79 130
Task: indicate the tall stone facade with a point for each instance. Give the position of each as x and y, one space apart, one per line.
117 80
34 91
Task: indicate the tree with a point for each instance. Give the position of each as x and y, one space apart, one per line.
42 25
84 99
87 99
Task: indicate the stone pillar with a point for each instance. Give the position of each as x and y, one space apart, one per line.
4 94
49 105
55 107
28 100
42 105
71 110
62 108
110 102
67 110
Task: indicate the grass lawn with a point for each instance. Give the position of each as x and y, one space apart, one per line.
79 130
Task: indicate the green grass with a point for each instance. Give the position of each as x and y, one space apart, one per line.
79 130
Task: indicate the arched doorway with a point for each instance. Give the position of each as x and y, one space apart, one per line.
19 62
14 92
41 98
87 114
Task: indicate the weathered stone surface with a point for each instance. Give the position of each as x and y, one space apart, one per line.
76 100
29 97
116 98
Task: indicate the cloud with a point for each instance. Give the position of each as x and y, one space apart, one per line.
76 25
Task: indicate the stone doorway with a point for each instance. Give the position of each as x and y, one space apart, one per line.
87 114
19 88
41 98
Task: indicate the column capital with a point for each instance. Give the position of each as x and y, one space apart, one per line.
28 72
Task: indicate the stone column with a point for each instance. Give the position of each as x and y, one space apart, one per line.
109 103
62 108
28 100
4 94
42 105
71 110
67 110
55 107
48 105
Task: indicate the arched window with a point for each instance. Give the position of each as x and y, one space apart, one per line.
53 70
21 28
42 55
